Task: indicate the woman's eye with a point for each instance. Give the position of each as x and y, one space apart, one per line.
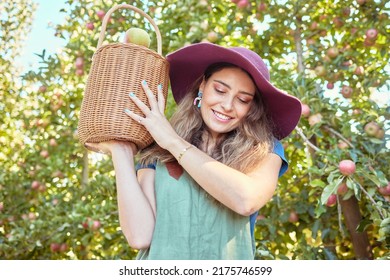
245 101
219 90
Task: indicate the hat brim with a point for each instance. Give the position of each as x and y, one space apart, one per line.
189 63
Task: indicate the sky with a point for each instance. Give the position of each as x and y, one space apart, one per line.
41 35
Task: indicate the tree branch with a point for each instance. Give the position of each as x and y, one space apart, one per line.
371 199
298 45
331 130
299 130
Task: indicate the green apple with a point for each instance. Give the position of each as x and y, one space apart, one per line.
372 128
320 71
137 36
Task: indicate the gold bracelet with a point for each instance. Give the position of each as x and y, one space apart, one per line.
183 152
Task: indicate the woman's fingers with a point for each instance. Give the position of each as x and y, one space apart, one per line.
134 116
142 106
155 105
160 99
97 147
150 96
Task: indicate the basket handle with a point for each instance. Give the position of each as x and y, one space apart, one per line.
110 11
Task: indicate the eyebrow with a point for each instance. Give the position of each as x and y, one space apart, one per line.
241 91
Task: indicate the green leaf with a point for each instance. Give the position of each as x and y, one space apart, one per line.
363 225
385 222
371 177
315 229
317 183
376 141
330 189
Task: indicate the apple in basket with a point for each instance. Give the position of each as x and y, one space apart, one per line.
137 36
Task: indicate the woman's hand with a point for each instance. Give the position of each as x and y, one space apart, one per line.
154 121
108 147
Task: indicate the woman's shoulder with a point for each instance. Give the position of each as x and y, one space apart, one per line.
278 149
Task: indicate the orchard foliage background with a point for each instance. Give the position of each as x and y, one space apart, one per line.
57 201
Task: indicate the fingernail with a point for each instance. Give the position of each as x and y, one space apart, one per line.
127 111
159 86
144 82
131 94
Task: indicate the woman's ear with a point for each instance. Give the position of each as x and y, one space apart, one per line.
202 85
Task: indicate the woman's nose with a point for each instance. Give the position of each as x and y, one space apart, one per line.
227 104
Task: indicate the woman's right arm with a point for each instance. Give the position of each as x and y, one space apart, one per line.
136 202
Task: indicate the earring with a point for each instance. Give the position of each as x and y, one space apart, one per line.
198 99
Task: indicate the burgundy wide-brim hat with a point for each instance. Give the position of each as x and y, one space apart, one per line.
189 63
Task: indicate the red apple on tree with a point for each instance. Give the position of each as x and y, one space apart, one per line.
101 14
346 11
332 52
35 185
32 216
85 224
332 200
293 217
305 110
372 34
44 154
58 174
55 247
347 167
383 16
63 247
262 7
346 91
342 189
95 225
330 85
314 119
79 72
384 190
314 25
342 145
90 26
53 142
243 3
368 43
42 89
79 62
310 41
359 70
338 22
323 17
380 134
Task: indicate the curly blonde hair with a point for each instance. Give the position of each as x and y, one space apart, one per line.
241 149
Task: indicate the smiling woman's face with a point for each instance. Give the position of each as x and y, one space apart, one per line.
227 97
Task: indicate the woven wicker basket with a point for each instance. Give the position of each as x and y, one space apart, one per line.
118 69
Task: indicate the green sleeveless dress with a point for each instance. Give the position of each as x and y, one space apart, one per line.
192 225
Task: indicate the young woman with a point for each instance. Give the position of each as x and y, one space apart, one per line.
196 192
